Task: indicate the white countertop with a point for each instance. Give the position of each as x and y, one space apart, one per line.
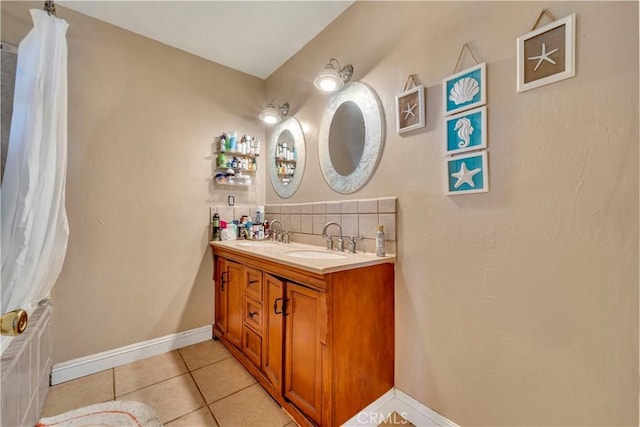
312 258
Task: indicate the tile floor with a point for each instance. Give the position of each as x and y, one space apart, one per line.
197 386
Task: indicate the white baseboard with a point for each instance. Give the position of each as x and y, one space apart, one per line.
396 401
87 365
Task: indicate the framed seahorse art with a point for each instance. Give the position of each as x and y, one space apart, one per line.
465 131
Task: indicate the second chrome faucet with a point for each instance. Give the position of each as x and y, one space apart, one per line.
329 238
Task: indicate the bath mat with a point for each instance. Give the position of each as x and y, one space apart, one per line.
108 414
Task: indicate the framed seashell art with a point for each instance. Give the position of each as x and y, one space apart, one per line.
466 131
410 112
465 90
547 54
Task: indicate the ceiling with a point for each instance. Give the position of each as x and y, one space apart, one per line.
255 37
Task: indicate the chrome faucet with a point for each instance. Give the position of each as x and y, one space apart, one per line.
277 235
329 238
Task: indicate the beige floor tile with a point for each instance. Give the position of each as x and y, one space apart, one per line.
200 418
171 398
395 419
95 388
203 354
221 379
250 407
145 372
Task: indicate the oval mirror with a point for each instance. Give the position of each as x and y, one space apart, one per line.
286 157
351 137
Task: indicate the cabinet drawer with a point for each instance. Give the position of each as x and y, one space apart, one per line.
253 314
252 347
253 283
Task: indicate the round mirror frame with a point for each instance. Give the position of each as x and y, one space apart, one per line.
366 99
292 125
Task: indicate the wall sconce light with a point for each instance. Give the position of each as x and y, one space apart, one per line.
332 77
274 112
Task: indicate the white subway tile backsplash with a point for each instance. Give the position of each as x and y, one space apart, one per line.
349 206
272 209
389 223
295 223
239 211
350 225
306 224
295 209
285 220
318 223
335 218
319 208
367 206
226 213
306 208
387 205
285 209
368 225
333 207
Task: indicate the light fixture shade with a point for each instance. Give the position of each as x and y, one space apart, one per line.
328 80
270 116
273 113
332 77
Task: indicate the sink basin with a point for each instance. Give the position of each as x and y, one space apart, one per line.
258 244
315 254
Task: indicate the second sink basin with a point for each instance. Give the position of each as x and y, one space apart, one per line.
310 254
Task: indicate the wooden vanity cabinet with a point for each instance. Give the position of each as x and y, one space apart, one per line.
323 345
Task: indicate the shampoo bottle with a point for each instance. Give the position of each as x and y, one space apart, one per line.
380 241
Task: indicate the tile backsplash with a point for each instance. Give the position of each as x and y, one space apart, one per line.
358 218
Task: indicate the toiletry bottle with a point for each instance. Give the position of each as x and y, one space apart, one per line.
216 227
380 241
223 143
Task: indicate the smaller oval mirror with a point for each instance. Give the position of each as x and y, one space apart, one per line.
286 157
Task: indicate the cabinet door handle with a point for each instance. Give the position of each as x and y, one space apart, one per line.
275 306
252 314
223 280
284 307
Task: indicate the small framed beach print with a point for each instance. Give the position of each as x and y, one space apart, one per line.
410 112
466 131
465 90
467 173
547 54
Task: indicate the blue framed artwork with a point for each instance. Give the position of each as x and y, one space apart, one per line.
465 90
468 173
466 131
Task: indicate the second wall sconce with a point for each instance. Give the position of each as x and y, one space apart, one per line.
273 113
332 77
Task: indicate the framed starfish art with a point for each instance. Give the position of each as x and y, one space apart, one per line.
410 109
547 54
467 173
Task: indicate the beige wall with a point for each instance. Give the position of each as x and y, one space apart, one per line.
518 306
142 117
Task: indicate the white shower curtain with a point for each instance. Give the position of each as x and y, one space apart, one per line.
34 220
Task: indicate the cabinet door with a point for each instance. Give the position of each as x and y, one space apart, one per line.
305 332
231 284
273 331
221 279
